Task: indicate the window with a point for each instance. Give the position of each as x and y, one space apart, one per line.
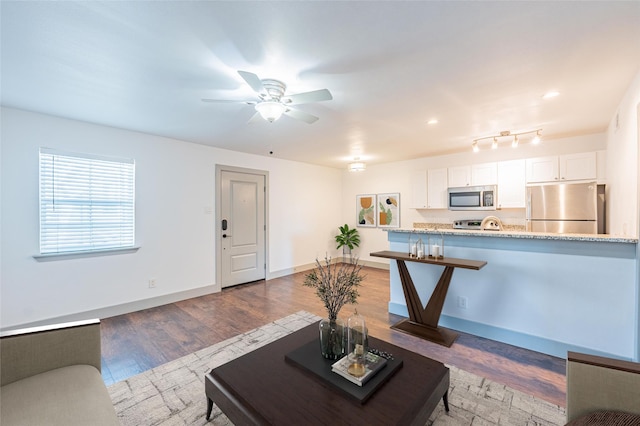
86 203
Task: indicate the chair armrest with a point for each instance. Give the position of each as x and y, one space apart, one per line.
599 383
30 351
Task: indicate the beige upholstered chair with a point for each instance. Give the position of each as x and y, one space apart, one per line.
50 376
602 388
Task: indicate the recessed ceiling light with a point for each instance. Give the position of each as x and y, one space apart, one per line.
550 95
433 121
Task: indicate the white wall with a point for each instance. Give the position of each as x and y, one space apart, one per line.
175 184
622 162
395 177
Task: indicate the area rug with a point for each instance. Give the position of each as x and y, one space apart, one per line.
173 393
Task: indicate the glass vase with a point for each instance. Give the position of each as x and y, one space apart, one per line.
332 338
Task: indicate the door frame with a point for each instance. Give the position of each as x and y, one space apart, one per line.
218 218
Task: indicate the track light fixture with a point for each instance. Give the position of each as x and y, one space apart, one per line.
536 139
507 134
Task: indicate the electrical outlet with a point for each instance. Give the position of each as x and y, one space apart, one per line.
462 302
152 283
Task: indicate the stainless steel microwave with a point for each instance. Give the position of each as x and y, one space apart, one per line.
473 197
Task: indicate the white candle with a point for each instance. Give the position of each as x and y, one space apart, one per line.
435 250
420 253
413 250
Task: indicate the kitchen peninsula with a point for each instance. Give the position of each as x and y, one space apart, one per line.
550 293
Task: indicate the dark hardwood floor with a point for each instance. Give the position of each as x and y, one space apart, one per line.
139 341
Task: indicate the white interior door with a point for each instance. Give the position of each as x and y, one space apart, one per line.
242 228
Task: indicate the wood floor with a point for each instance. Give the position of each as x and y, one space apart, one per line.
139 341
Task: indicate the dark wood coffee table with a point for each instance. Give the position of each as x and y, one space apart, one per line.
261 388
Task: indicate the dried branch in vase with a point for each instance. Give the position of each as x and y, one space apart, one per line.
336 284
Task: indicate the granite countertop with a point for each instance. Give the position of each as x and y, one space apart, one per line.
513 231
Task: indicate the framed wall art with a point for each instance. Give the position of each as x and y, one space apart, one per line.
366 210
388 210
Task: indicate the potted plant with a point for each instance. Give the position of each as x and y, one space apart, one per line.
348 238
336 284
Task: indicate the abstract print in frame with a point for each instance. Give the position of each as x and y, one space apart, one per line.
366 208
388 210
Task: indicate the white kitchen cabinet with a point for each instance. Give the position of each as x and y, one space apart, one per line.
418 189
580 166
484 174
437 184
459 176
477 174
511 184
542 169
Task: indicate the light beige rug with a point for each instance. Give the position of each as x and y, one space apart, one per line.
173 393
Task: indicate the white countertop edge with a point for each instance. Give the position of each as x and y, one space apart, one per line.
522 235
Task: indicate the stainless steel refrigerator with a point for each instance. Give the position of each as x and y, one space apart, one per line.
571 208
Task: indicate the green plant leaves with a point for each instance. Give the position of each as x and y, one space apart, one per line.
348 237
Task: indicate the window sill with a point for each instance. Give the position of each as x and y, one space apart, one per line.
82 254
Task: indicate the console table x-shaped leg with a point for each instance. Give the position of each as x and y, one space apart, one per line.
423 321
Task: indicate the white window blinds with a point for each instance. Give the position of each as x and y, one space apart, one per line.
86 203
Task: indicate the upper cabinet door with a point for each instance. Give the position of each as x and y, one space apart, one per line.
437 189
542 169
484 174
459 176
578 166
511 184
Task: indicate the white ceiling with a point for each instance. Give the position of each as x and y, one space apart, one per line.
478 67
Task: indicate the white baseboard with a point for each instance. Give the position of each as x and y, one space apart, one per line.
310 266
125 308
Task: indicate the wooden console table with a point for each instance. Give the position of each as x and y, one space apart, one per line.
423 322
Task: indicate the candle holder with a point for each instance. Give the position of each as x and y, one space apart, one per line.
412 246
436 247
357 345
420 254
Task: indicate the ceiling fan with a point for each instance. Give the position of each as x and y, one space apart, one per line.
272 101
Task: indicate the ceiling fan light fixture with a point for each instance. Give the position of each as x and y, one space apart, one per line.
357 166
270 110
494 144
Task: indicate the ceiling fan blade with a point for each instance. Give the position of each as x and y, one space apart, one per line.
253 81
256 118
307 97
229 101
302 116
